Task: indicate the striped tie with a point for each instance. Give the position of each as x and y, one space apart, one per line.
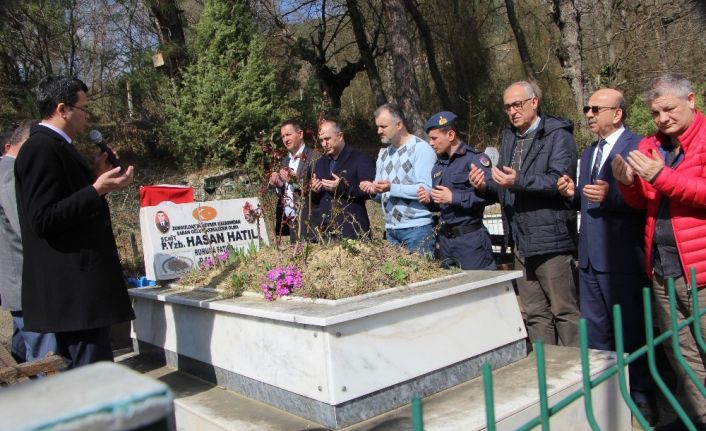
597 162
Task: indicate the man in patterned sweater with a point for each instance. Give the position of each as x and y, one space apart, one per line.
401 168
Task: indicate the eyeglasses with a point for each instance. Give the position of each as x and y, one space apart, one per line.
596 109
519 105
84 109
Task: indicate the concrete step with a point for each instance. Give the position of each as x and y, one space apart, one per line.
202 406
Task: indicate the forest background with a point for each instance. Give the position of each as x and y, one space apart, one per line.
192 87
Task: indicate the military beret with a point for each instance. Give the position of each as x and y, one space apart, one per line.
440 119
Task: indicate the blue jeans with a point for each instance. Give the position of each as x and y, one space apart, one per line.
36 345
418 239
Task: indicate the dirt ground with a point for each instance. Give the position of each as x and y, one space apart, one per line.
5 328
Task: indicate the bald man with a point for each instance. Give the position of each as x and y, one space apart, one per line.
335 185
611 238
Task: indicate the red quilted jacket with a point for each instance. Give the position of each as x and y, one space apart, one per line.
685 186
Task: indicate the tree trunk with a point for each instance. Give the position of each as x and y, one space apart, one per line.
407 88
334 83
568 19
366 52
521 41
611 74
171 32
428 42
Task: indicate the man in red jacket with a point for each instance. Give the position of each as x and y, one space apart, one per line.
667 176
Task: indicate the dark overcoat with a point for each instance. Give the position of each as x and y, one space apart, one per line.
72 278
343 210
540 221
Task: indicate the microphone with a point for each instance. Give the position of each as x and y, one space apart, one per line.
97 138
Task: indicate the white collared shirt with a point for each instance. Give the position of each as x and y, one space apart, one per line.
534 126
59 131
289 209
607 147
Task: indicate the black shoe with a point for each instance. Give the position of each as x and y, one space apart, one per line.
649 411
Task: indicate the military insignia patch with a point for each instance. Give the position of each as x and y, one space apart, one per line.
484 160
442 120
438 174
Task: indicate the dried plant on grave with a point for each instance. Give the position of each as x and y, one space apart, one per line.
331 270
330 267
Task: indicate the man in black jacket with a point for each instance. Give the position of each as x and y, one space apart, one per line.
536 151
335 185
72 281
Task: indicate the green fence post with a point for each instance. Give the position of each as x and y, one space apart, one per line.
417 417
586 375
698 330
542 383
489 399
675 337
620 368
620 356
652 361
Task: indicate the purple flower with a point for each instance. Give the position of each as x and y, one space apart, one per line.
223 256
207 264
266 290
281 282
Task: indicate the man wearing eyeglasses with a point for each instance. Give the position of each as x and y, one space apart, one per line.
611 271
536 150
667 177
72 282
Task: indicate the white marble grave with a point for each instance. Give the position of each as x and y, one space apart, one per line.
337 362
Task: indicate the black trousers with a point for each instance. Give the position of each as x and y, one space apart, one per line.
85 347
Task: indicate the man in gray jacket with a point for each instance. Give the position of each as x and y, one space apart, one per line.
536 151
26 345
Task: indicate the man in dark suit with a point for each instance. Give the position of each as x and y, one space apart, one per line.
611 252
295 212
336 184
72 282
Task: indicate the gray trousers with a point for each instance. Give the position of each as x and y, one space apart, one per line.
691 399
550 298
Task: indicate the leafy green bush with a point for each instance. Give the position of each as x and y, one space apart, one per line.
228 94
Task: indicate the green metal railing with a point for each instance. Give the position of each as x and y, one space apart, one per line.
620 368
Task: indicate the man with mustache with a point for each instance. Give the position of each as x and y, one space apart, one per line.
611 271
